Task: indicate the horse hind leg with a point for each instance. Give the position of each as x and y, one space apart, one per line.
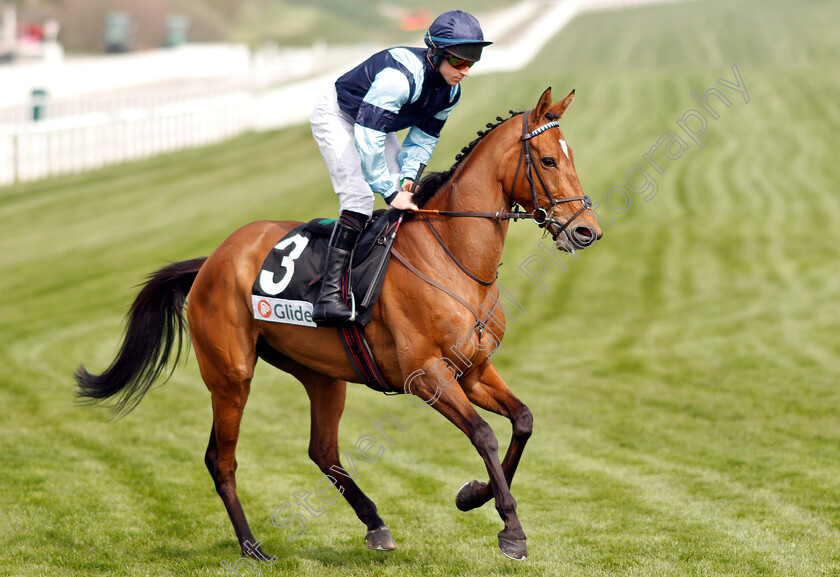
220 459
226 358
223 475
326 397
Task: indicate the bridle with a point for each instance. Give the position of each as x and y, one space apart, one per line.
542 216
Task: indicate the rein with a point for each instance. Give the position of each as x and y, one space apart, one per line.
499 216
452 256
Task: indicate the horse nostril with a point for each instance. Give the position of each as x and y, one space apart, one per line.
583 236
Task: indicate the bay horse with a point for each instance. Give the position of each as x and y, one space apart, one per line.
454 244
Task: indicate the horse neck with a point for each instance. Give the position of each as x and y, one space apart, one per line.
477 243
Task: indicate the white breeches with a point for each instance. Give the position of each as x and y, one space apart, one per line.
333 131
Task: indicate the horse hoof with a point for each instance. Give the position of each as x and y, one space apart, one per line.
516 549
255 552
380 540
468 496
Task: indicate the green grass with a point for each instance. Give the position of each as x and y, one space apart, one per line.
682 374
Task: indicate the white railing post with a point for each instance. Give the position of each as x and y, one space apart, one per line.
8 170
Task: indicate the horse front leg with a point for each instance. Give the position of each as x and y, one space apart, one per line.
485 388
453 404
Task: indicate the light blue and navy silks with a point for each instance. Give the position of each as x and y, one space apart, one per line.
390 91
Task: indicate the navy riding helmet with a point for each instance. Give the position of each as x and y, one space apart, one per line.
455 33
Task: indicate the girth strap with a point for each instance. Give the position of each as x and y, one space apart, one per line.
361 357
358 351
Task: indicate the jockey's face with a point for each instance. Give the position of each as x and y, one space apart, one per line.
450 74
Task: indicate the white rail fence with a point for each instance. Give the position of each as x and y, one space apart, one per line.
80 133
81 143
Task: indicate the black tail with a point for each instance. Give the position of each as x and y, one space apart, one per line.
155 322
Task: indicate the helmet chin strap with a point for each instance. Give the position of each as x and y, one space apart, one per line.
434 54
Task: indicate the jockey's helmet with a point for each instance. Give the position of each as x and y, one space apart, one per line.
455 33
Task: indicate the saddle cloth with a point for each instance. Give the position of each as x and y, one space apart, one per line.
290 277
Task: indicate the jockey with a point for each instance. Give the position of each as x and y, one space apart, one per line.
355 122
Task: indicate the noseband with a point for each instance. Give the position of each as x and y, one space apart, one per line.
543 216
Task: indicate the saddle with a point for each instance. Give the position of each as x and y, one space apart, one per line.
290 279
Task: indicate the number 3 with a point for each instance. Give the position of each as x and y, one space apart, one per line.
267 283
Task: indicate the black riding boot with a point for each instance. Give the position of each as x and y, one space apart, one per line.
330 310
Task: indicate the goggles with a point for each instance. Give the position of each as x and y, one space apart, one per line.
459 63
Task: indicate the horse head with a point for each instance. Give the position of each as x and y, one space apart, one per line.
543 179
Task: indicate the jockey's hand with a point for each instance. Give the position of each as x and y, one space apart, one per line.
402 200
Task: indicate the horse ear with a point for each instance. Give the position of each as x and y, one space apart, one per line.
560 108
542 107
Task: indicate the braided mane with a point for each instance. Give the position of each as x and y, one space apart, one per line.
434 181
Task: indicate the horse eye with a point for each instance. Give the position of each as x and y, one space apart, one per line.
549 162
